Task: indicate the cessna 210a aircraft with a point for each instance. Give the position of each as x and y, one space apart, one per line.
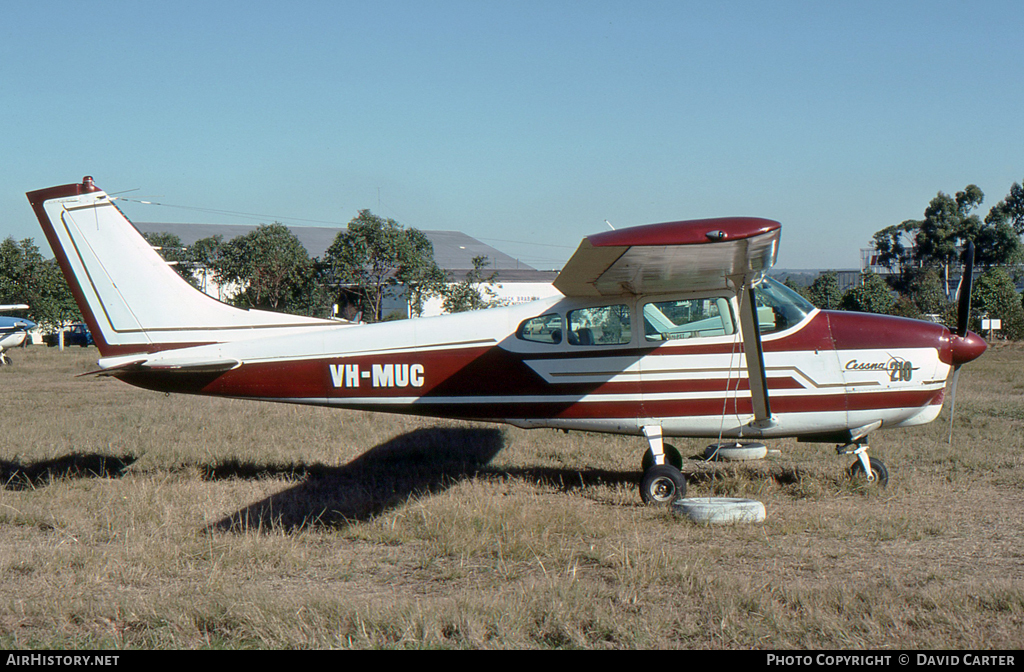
666 330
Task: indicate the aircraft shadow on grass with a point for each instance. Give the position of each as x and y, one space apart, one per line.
17 476
424 461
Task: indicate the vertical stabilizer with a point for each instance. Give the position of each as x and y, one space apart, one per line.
130 298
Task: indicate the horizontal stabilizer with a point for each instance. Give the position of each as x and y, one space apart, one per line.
166 365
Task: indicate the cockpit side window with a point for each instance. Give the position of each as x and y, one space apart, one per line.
688 318
544 329
600 325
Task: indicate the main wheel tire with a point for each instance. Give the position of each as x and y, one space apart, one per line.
672 457
878 470
662 484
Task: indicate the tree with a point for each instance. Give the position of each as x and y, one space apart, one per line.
170 247
895 246
871 296
824 291
272 270
994 294
204 258
1010 209
947 224
473 292
996 244
27 277
927 291
374 256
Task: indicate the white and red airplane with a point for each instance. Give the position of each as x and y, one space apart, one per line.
666 330
13 330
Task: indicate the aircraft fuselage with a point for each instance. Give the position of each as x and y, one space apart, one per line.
829 371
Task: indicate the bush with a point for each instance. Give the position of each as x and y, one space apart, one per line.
871 296
994 294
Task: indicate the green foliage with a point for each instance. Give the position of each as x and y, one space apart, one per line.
894 245
904 306
170 247
273 271
1010 210
26 277
375 255
994 294
794 285
204 258
824 291
926 291
871 296
916 251
473 292
947 221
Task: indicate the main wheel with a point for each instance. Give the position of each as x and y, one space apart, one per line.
662 484
878 470
672 457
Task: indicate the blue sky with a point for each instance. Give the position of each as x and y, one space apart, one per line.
525 124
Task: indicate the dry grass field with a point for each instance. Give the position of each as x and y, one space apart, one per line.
132 519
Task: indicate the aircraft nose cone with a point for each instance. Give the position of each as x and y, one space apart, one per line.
967 348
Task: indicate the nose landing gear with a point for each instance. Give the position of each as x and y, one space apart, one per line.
868 469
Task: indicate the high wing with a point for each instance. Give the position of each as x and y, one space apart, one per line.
13 306
705 254
730 253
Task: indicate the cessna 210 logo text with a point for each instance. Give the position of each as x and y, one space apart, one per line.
379 375
899 369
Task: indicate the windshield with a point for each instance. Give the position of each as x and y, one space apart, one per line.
778 306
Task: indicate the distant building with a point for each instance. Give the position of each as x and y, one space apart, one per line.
454 251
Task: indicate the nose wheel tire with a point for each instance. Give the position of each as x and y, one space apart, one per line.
880 475
662 484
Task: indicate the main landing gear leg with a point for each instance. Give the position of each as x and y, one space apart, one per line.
870 469
662 482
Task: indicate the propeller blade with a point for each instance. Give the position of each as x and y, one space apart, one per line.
963 314
952 400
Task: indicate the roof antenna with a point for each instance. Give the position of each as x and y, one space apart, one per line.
609 225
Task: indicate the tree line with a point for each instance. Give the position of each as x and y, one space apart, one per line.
269 269
922 256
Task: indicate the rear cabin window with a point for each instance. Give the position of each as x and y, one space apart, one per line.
543 329
600 325
688 318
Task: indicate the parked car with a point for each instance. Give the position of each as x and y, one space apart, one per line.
76 334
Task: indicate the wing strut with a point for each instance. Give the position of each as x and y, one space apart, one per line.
755 360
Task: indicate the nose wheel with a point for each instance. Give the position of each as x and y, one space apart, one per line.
869 470
662 482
